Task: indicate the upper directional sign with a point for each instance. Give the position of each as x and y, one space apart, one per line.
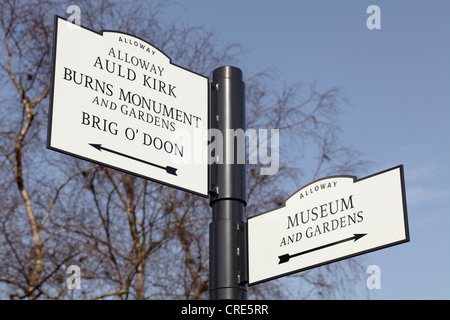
326 221
118 101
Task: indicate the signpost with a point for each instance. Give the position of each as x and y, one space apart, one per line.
118 101
328 220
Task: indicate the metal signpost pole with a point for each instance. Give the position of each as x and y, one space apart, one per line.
228 250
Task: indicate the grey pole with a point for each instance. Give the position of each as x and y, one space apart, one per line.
227 250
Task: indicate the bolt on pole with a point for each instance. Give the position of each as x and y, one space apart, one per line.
228 195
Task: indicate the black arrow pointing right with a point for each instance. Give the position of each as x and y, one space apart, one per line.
169 170
286 257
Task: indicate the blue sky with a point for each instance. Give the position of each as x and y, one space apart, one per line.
398 81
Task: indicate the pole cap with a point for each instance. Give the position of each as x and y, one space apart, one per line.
227 72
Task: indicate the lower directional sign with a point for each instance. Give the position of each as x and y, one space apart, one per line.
328 220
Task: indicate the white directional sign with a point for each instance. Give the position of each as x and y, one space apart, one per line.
120 102
328 220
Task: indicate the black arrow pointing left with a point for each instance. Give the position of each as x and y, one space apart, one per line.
168 169
286 257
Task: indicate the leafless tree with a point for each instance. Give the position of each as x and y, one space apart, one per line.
25 67
132 238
